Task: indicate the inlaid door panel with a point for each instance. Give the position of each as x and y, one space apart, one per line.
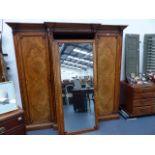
35 63
106 60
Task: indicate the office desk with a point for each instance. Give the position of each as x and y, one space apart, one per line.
87 90
80 98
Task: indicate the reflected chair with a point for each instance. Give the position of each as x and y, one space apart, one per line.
83 86
77 84
91 99
69 93
64 96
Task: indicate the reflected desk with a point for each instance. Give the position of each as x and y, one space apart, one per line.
80 98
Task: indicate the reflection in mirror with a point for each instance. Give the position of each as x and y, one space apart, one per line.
77 85
7 91
3 69
7 97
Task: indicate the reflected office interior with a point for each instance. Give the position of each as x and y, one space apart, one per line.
77 85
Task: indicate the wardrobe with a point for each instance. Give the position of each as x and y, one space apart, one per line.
37 62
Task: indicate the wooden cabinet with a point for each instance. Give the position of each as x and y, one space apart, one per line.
138 100
37 66
12 123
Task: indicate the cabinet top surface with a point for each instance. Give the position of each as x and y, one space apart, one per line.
60 26
138 86
10 114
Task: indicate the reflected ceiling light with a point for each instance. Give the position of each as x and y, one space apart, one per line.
67 66
72 63
78 59
82 52
75 64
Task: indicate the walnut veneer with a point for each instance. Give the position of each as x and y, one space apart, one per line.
12 123
138 100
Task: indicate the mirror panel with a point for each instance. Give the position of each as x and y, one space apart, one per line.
7 97
77 82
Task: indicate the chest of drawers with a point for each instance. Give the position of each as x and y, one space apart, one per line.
138 100
12 123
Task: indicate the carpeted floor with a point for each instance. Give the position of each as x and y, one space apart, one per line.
135 126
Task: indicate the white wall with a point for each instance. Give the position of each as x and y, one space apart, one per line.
134 26
8 47
67 73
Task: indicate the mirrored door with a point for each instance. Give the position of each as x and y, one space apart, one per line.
77 85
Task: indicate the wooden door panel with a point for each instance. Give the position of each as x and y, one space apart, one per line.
36 69
106 59
106 96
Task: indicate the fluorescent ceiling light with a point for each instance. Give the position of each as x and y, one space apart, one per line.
69 66
78 59
72 63
82 52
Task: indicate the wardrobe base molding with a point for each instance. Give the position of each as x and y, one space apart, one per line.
108 117
39 126
55 126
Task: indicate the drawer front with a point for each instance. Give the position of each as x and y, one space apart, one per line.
144 95
11 123
143 102
17 131
142 110
144 90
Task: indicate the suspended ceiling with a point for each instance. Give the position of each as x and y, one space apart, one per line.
77 55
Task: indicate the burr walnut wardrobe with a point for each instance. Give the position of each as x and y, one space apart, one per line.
38 74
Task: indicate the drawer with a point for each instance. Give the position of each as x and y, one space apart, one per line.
17 131
143 102
11 123
143 110
144 95
144 90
